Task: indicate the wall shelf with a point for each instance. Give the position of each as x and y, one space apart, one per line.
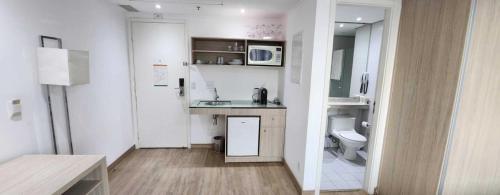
218 64
209 49
83 187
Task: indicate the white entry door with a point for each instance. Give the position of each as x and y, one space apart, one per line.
162 114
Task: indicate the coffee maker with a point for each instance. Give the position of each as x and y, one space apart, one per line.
262 96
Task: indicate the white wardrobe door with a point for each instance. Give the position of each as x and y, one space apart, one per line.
243 136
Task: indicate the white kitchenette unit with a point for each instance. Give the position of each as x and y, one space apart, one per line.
254 132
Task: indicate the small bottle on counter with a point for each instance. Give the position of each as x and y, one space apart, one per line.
255 95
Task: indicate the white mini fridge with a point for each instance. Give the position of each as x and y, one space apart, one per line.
243 135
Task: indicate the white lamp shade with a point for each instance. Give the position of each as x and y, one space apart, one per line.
62 67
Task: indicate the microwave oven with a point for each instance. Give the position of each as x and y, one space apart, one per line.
265 55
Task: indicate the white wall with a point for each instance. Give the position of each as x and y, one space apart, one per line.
296 96
305 101
100 112
320 74
232 83
17 78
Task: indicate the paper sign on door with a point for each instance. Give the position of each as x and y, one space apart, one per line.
160 75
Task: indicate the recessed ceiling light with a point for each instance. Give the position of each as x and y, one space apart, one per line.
341 25
359 19
242 11
158 6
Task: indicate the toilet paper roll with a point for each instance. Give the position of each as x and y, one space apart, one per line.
365 124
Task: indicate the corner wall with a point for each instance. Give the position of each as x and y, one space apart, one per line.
305 100
296 96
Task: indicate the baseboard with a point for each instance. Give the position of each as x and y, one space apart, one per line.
290 173
207 146
112 166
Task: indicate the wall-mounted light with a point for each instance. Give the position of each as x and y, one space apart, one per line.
242 11
158 6
359 19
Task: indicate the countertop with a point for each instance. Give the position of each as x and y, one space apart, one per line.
46 174
237 104
347 103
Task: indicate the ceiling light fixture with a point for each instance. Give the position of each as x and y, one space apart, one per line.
341 25
359 19
242 11
185 2
158 6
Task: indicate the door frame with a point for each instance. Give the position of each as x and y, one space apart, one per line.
384 84
131 63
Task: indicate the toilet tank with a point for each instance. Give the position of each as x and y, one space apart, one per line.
341 123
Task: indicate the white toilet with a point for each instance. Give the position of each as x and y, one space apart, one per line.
342 127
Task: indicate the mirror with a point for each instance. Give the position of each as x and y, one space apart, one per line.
356 56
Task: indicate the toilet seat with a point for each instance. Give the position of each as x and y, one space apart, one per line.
353 136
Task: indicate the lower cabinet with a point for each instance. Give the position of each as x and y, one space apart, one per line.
271 142
244 138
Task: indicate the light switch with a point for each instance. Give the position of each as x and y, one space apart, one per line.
14 110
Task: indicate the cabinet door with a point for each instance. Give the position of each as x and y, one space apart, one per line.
243 136
274 120
271 143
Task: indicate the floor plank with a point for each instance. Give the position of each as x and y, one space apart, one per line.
196 171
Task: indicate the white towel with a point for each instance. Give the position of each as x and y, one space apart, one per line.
337 63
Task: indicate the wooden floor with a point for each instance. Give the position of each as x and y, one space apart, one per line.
196 172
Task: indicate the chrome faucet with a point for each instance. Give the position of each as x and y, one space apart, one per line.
216 96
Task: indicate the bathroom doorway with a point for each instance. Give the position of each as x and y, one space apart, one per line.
362 41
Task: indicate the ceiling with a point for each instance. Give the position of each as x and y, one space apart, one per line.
347 15
347 29
253 8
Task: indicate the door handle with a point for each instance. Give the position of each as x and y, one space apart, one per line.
181 87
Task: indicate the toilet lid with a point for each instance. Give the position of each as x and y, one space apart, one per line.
351 135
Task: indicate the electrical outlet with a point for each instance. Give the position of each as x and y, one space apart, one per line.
14 110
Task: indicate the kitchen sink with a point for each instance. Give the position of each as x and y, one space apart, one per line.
215 102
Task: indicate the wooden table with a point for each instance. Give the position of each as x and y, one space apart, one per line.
55 174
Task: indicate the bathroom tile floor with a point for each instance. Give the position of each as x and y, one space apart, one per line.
339 173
